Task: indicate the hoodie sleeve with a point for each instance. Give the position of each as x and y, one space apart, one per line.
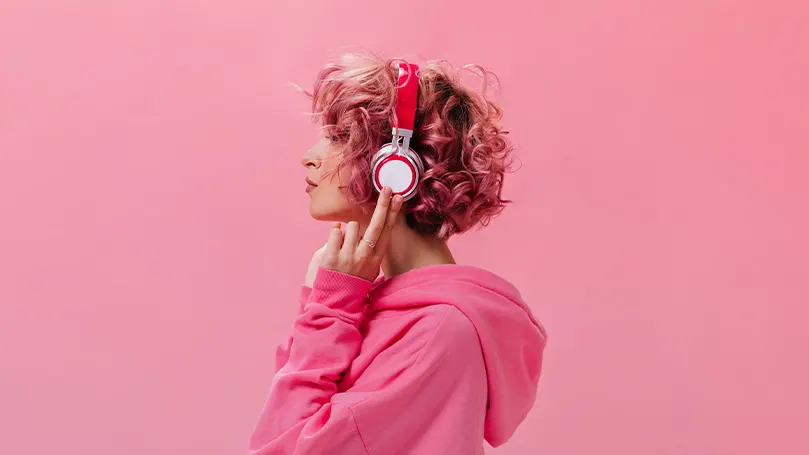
282 352
298 416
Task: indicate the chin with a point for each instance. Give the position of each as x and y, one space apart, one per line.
321 217
324 214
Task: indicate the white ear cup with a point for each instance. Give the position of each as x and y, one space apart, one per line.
397 174
398 168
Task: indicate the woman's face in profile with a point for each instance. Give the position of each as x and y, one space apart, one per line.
327 187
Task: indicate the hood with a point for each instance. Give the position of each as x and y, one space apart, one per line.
511 338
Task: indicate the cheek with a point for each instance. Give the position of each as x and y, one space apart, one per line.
330 203
343 177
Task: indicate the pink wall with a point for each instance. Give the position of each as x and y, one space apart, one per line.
154 226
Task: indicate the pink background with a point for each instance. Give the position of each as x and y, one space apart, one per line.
154 228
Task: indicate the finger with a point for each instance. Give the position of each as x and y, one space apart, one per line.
352 236
377 222
335 241
390 222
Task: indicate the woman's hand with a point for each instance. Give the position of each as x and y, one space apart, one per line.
314 264
361 257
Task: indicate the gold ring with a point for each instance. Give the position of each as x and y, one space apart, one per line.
370 243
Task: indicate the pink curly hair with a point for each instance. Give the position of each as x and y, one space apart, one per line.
457 134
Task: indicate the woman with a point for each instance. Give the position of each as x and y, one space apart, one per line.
432 357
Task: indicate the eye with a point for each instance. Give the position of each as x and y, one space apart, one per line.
333 139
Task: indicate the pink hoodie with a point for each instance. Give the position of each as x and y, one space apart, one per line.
428 362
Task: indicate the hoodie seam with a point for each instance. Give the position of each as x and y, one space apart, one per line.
357 426
432 337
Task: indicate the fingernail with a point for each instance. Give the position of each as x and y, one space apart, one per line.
398 200
387 191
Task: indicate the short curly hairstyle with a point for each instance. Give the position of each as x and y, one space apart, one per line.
457 134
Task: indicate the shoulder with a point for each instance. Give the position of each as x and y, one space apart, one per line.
450 336
424 334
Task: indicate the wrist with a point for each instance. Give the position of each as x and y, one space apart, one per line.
340 290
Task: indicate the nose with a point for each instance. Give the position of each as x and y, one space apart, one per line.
309 160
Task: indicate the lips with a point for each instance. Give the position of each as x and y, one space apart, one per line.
310 185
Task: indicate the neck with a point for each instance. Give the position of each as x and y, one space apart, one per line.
409 250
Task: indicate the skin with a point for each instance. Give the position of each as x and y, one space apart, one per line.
397 248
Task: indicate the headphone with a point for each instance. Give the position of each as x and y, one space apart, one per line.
395 164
